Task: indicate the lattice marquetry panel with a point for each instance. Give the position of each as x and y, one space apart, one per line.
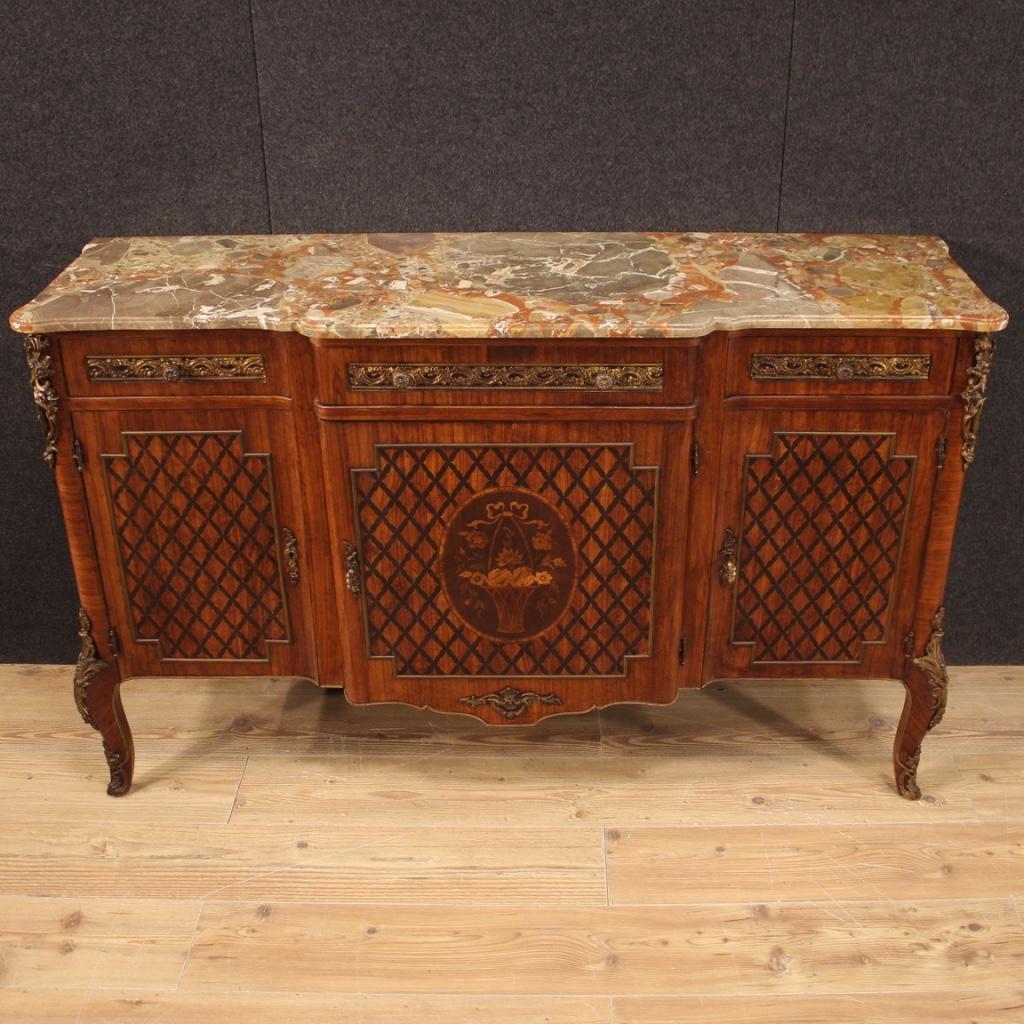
507 560
823 523
195 523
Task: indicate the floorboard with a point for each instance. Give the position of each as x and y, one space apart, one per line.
738 856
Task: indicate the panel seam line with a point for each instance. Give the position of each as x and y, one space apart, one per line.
259 114
785 115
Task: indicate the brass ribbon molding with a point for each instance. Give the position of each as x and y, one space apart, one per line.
505 376
836 366
174 368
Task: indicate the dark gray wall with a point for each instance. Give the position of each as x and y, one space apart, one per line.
319 115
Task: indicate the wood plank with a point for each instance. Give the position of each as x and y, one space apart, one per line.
959 1007
730 715
480 865
41 785
203 716
733 714
811 862
197 715
393 728
996 789
832 948
788 784
325 863
91 1007
983 751
87 943
250 715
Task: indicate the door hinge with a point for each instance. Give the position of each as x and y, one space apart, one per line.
940 452
115 644
682 650
695 458
77 457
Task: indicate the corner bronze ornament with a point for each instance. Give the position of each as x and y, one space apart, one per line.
86 667
44 394
509 701
974 395
933 664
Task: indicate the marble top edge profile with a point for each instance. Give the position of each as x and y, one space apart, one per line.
512 285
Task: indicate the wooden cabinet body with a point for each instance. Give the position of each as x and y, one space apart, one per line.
511 529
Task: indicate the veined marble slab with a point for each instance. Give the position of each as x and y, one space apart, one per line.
550 285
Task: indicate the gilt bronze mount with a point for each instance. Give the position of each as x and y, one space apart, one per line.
509 701
175 368
837 366
974 395
505 376
44 394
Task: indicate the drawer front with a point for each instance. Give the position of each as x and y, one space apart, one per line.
152 363
472 373
840 363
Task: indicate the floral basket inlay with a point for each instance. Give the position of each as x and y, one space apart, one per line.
514 561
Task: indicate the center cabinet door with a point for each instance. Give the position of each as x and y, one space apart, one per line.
509 570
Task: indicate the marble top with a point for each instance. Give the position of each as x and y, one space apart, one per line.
511 285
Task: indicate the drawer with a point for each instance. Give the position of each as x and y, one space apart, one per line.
156 363
841 363
611 372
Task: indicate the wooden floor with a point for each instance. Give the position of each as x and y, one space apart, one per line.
738 857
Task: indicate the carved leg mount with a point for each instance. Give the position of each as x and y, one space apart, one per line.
926 681
98 696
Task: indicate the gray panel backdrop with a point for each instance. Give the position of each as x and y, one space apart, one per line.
398 115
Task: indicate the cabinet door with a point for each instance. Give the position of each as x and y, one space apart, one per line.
821 522
507 570
198 528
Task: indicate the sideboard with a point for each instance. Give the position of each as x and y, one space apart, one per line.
511 475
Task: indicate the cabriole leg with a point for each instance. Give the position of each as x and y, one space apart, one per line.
926 682
98 696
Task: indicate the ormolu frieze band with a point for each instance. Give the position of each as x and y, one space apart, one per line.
820 366
487 376
175 368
